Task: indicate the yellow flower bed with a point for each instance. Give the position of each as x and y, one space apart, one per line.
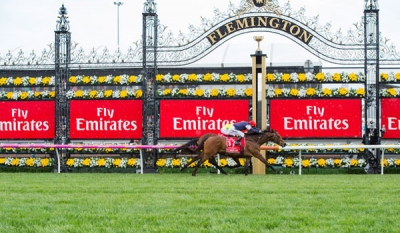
26 95
270 92
27 162
103 162
103 94
271 77
123 79
27 81
177 163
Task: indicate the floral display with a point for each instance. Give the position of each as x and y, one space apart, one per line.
105 94
270 78
389 92
102 150
180 162
314 92
123 79
204 78
390 77
270 92
27 162
319 77
27 81
198 92
103 162
11 150
26 95
327 163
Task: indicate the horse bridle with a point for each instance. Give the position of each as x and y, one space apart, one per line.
262 133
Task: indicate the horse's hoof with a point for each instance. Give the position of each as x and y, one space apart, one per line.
280 172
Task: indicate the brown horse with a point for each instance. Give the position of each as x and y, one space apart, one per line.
212 144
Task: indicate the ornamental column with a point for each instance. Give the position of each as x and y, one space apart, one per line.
373 132
62 59
259 107
149 71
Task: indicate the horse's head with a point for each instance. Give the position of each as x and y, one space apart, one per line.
273 136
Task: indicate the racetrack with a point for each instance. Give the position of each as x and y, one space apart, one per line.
98 202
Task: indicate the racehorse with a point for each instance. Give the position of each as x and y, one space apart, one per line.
212 144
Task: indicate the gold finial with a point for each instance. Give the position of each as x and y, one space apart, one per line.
258 39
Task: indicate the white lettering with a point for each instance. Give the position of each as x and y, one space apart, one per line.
204 111
315 124
392 123
105 125
314 110
105 112
199 124
16 112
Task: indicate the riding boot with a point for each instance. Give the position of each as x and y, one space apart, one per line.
237 142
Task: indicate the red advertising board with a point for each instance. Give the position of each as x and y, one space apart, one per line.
316 118
390 117
193 118
27 120
105 119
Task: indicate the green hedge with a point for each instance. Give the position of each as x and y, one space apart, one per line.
26 169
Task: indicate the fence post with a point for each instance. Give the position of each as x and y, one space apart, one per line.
300 162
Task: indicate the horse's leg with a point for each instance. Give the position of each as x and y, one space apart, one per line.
194 159
261 158
214 162
246 166
202 160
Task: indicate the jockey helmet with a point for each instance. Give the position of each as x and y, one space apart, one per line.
252 123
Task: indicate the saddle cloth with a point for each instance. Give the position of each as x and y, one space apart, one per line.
230 143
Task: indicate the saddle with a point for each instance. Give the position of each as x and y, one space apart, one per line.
230 144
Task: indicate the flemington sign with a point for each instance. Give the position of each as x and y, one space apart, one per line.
316 118
260 22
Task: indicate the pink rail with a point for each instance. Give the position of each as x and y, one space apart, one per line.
86 146
106 146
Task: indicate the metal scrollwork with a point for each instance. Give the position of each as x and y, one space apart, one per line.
340 47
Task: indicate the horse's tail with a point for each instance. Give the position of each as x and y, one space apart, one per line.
190 147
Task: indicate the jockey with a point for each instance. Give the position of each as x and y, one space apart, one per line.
238 128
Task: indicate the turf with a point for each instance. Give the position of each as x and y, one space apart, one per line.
67 202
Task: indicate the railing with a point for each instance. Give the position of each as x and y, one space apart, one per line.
299 148
57 146
340 147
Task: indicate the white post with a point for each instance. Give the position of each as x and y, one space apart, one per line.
383 158
218 163
300 162
141 162
58 161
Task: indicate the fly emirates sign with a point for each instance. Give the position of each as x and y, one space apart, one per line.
391 117
27 120
106 119
193 118
330 118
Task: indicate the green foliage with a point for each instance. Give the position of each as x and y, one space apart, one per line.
70 202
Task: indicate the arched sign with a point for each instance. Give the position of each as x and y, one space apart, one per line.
249 16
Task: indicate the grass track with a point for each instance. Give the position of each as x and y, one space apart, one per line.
48 202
